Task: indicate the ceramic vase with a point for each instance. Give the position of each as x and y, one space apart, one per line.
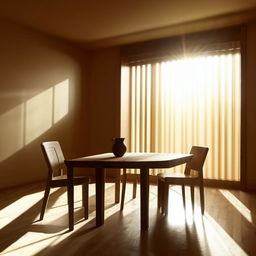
118 147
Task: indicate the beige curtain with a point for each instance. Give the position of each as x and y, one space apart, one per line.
188 101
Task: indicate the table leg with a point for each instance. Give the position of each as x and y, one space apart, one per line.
144 198
100 196
70 197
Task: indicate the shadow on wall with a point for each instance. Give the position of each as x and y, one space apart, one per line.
21 129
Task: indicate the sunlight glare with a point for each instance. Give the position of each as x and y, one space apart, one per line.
34 240
219 240
244 211
11 131
38 115
30 119
17 208
177 217
61 100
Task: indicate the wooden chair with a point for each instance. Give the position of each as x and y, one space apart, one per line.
124 180
56 178
114 176
193 175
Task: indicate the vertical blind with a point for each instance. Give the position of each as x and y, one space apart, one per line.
188 101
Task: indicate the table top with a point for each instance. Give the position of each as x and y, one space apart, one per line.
130 160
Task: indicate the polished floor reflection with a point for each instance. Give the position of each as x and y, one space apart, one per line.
227 228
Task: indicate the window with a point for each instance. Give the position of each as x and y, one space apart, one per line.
190 100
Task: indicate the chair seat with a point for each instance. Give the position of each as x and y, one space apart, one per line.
178 178
62 180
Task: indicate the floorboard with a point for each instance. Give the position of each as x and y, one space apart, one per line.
228 226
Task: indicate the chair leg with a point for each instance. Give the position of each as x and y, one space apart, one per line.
159 194
85 199
165 198
134 188
117 190
183 196
45 200
123 189
192 192
201 189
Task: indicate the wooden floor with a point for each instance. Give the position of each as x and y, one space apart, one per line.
227 228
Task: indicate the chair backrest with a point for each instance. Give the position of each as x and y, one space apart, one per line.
197 161
54 157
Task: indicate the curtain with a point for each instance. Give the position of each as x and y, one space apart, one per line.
191 100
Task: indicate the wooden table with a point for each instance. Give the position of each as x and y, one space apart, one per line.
142 161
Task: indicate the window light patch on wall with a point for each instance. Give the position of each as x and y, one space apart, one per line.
30 119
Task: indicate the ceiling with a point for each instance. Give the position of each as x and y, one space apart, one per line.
110 22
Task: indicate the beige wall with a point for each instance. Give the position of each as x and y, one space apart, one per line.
41 86
103 102
104 99
251 106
